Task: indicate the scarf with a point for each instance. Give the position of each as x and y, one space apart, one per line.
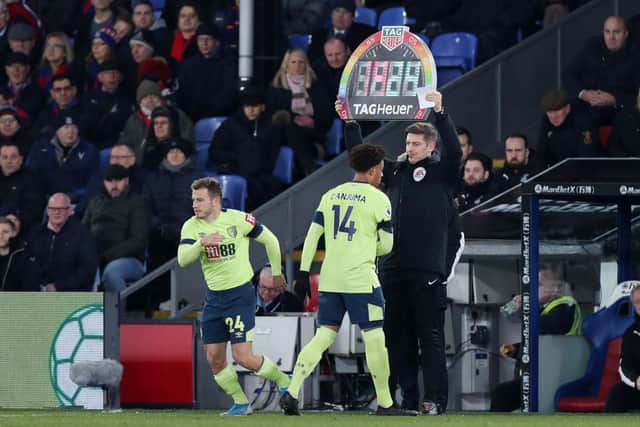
300 100
180 45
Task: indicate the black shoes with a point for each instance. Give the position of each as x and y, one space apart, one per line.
289 404
395 411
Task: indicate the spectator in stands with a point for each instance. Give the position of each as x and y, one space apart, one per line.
184 45
103 48
624 140
563 133
466 142
57 59
200 95
11 129
20 12
165 127
20 190
244 144
476 181
560 314
143 47
4 30
303 17
603 77
119 221
64 100
517 168
24 93
144 19
301 111
123 28
65 162
625 396
167 194
106 108
136 129
17 271
330 68
63 249
102 15
273 299
22 39
341 24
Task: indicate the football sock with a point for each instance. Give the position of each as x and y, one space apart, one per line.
227 379
309 358
271 372
378 362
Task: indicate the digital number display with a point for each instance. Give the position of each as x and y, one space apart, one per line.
387 78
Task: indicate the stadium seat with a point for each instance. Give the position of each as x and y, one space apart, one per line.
333 141
366 15
446 74
283 169
603 330
206 128
157 5
604 132
455 49
300 41
312 303
202 156
392 16
425 38
234 191
105 156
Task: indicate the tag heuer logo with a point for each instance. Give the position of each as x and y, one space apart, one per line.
392 37
232 231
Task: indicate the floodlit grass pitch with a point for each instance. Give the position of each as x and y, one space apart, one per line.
199 418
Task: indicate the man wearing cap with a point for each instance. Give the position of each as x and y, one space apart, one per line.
64 100
603 78
22 39
20 190
144 19
106 108
24 92
341 24
166 191
148 97
63 249
65 162
142 45
199 94
563 133
119 221
476 181
244 144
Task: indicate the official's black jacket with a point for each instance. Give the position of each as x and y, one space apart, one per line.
420 197
630 357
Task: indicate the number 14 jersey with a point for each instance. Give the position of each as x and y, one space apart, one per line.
351 215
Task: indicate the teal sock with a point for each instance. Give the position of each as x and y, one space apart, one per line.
309 358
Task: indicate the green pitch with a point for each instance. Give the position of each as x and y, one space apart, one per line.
199 418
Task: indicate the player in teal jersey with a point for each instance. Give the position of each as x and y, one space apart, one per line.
219 238
355 218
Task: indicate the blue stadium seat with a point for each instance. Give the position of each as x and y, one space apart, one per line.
446 74
458 48
202 155
333 141
205 128
300 41
392 16
157 5
105 156
283 169
234 191
425 38
366 15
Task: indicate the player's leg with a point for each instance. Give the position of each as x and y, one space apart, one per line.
330 313
261 365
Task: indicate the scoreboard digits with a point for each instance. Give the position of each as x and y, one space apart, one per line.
387 78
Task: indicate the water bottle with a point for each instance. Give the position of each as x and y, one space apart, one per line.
509 308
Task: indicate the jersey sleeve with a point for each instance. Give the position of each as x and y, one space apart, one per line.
189 247
248 225
316 229
382 211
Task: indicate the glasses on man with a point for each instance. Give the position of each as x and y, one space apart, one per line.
267 290
58 209
7 120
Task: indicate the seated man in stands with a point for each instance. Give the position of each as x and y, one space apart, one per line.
64 100
24 92
63 249
563 133
560 314
330 67
245 145
20 190
476 181
603 77
516 168
625 396
272 299
17 271
144 19
12 127
466 142
119 221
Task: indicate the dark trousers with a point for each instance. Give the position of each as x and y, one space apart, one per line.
506 396
622 398
414 330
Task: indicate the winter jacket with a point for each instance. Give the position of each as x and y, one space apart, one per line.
19 272
21 193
